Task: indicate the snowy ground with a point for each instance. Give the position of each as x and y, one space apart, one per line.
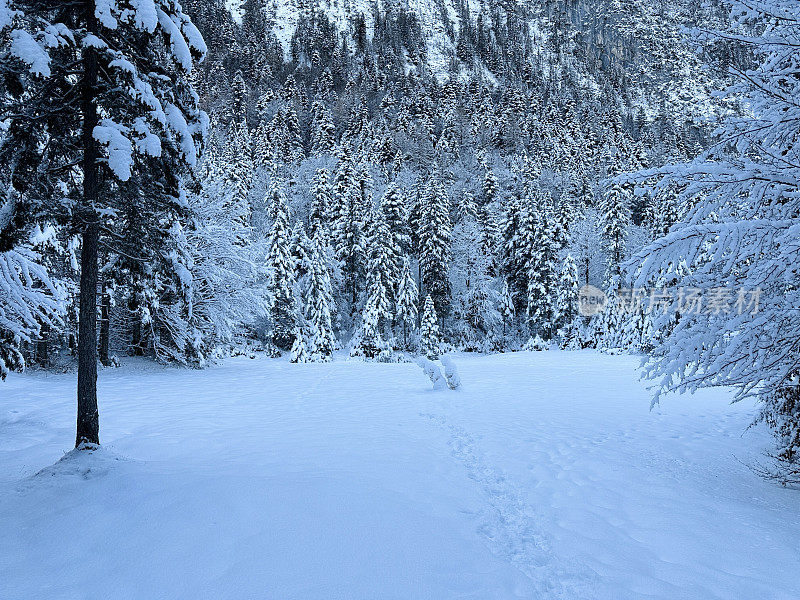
546 476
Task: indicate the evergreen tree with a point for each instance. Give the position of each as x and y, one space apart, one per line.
319 305
434 241
490 186
320 216
237 160
393 214
567 301
542 276
322 139
615 218
350 225
299 352
380 283
281 267
97 101
407 299
429 331
506 306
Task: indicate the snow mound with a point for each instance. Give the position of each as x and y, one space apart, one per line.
87 461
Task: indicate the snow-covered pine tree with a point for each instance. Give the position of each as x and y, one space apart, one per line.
283 312
407 300
97 92
434 241
393 211
322 138
301 250
320 216
299 352
507 310
518 240
237 157
490 186
377 313
542 271
29 300
292 136
615 219
430 343
350 242
567 301
319 304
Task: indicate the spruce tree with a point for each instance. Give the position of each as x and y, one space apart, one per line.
97 100
507 310
238 167
393 214
281 267
567 301
319 305
430 343
349 189
320 215
380 283
407 300
322 139
434 240
615 219
299 352
542 274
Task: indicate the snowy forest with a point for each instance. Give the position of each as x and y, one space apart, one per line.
316 181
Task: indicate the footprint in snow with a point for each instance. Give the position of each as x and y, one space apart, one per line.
511 527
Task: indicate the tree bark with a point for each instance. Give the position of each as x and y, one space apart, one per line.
88 419
88 422
105 326
43 346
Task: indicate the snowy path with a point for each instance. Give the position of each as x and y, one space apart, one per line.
546 476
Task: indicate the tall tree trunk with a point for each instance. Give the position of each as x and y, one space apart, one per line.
105 326
43 346
137 336
88 425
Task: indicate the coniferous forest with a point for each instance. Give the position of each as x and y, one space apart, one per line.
390 181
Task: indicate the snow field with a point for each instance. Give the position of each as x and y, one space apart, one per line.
545 476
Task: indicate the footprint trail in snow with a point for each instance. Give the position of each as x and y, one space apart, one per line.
511 527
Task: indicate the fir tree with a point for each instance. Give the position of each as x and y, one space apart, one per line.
380 283
322 139
321 203
97 104
429 331
407 299
299 352
319 305
281 267
506 305
567 301
542 275
350 226
393 214
615 218
434 240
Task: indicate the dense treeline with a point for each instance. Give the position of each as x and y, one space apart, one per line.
346 161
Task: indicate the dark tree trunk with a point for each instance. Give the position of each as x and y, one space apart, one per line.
88 419
88 426
137 337
43 346
105 326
